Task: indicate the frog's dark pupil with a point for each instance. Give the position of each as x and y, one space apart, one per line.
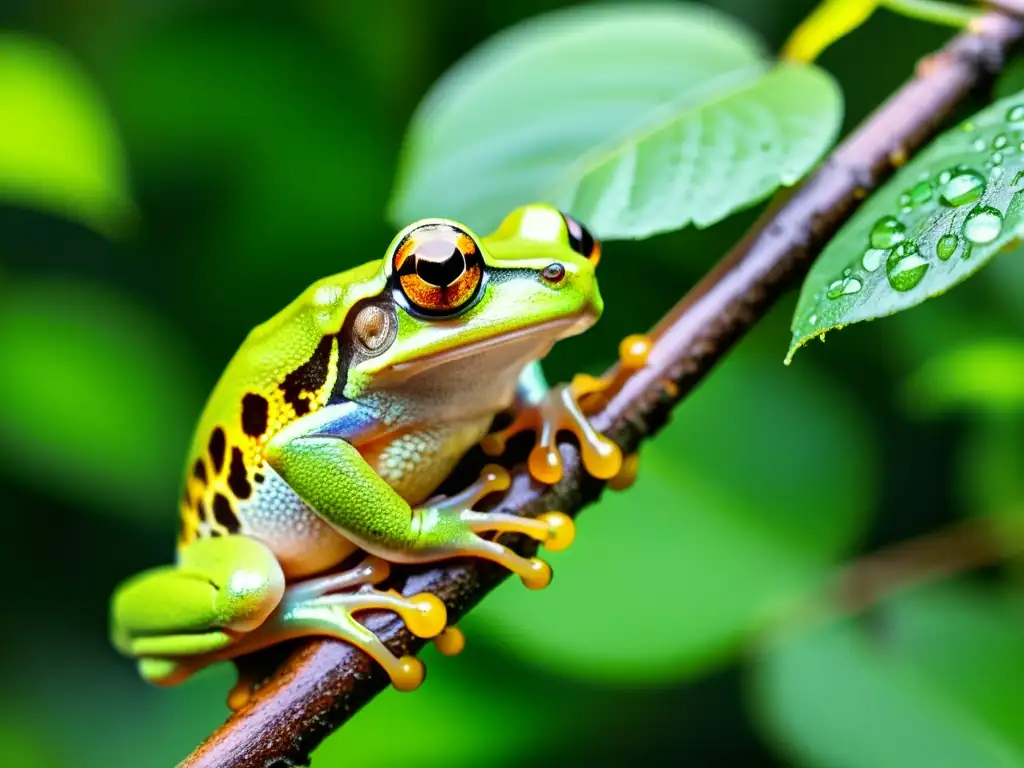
580 240
439 262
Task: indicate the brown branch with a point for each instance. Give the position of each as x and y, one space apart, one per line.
323 683
867 581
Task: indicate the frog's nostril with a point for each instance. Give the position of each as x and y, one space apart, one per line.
553 272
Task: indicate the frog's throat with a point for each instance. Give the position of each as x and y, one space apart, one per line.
553 329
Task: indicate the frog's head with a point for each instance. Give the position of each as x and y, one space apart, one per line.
457 300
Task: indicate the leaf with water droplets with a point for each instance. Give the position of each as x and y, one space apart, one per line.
940 218
636 119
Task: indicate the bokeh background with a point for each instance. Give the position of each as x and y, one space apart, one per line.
256 147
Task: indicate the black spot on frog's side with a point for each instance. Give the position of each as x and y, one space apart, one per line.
308 378
255 410
199 471
218 445
223 513
238 480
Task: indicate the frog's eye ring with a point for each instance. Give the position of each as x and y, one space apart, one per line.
439 269
581 241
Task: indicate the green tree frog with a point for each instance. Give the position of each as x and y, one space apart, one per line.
314 461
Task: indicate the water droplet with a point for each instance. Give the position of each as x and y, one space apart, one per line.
1015 113
921 193
965 187
946 246
905 198
945 176
905 270
999 141
978 145
967 126
847 272
812 319
843 287
887 232
983 224
872 259
997 173
997 158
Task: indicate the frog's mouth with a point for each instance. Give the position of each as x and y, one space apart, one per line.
542 335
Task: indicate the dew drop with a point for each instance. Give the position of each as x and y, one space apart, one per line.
946 246
1015 113
978 145
964 187
945 176
812 319
905 198
905 267
872 259
843 287
983 225
997 173
887 232
997 158
921 193
999 141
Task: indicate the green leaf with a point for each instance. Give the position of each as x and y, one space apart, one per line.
97 399
931 678
946 213
637 119
59 149
676 572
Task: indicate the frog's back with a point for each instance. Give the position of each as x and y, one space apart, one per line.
286 367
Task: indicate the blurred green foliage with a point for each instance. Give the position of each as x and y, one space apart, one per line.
177 172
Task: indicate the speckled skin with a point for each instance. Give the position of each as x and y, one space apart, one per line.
313 445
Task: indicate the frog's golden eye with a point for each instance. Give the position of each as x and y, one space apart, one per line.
581 241
439 269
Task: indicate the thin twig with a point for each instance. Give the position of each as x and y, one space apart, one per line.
871 579
323 683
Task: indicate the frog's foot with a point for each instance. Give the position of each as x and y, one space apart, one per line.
450 642
553 530
332 614
565 408
627 474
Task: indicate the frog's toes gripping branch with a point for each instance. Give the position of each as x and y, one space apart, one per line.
554 530
566 408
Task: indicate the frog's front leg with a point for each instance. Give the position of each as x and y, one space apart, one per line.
548 411
329 474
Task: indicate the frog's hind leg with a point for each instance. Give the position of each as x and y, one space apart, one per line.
173 618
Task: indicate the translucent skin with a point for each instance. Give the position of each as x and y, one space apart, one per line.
333 424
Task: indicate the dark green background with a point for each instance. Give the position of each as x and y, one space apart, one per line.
261 143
